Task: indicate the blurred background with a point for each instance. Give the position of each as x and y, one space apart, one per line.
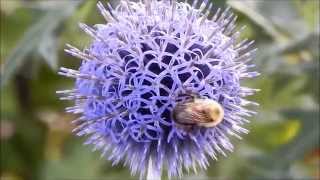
36 142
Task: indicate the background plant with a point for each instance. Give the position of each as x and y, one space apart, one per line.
35 132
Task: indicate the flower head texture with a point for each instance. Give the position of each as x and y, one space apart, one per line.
149 57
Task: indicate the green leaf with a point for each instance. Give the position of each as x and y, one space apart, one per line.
280 19
33 37
306 140
274 133
304 42
48 49
309 10
79 162
9 33
249 8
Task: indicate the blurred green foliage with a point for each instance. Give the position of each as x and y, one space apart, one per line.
36 142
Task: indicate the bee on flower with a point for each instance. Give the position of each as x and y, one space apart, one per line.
159 85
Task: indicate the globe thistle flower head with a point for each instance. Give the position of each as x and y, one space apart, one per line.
148 59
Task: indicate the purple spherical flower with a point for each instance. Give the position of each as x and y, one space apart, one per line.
146 60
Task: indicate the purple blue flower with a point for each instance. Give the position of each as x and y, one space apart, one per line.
142 63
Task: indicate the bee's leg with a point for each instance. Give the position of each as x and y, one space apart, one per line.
190 128
186 128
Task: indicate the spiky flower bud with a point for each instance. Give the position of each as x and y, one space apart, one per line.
149 58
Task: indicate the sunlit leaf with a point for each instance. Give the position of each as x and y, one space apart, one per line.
309 10
273 133
306 140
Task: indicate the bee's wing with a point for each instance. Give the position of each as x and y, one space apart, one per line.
193 118
198 117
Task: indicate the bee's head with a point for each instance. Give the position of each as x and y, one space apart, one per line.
214 111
